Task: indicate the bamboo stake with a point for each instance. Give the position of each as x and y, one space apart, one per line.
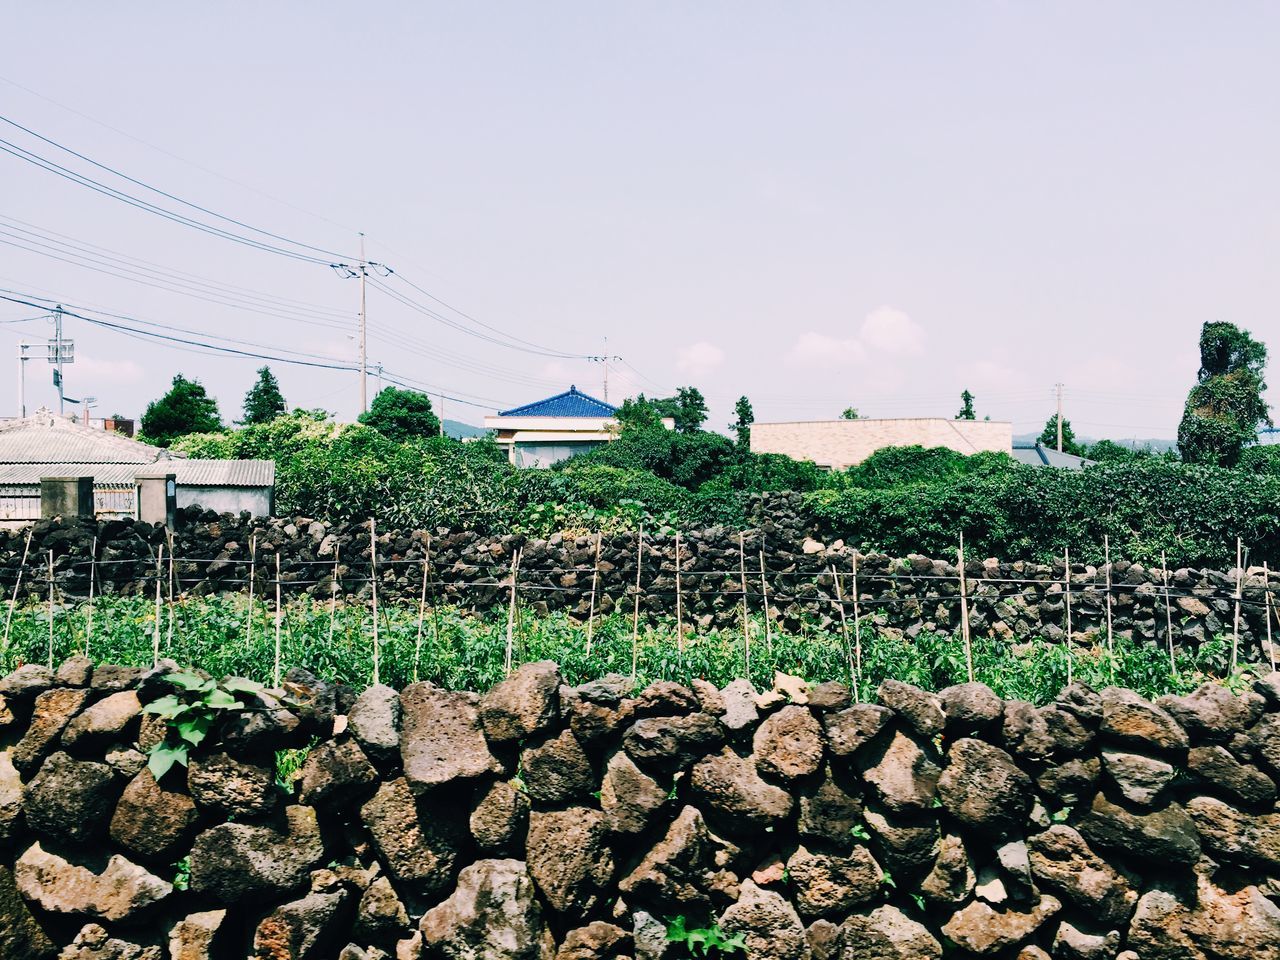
1266 578
595 580
511 609
373 582
155 636
1111 645
435 607
333 593
253 572
844 627
857 630
422 612
746 623
635 611
1066 581
275 673
13 601
964 610
1168 616
50 609
1235 623
764 590
679 601
93 572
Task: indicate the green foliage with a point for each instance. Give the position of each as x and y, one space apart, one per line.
966 407
189 713
1225 407
743 417
185 409
688 408
264 401
906 466
468 652
1264 460
704 941
182 874
638 414
1049 437
401 415
1018 512
849 413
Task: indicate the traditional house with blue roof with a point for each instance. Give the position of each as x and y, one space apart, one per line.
547 431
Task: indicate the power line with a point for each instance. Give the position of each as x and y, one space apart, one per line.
167 195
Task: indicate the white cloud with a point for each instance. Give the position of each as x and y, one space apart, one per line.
892 331
699 359
884 333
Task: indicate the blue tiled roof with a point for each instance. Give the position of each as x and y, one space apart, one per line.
571 403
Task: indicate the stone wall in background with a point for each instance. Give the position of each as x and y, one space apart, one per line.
542 822
912 594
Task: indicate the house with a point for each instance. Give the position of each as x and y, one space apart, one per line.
839 444
46 445
1038 455
547 431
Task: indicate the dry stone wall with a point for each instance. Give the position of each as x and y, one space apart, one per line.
542 822
912 594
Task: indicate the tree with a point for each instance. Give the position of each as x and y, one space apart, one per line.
264 401
401 415
1049 437
849 413
966 408
688 408
1225 407
744 417
186 408
639 413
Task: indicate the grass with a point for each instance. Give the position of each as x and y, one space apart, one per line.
221 635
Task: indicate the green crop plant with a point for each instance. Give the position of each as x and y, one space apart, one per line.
704 941
189 712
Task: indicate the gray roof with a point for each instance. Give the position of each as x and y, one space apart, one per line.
214 473
19 474
1038 455
45 438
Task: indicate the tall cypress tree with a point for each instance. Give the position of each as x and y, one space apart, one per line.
264 401
186 408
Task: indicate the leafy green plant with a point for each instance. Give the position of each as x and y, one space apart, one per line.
190 712
182 874
859 832
702 941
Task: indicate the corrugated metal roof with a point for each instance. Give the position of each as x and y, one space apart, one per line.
30 473
1038 455
214 473
45 438
571 403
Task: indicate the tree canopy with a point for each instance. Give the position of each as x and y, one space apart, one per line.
186 408
264 401
849 413
1225 407
966 407
744 417
401 415
1049 437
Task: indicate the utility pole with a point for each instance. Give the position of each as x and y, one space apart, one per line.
1059 387
378 367
22 378
361 270
605 358
57 376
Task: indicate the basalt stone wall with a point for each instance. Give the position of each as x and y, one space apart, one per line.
794 576
543 822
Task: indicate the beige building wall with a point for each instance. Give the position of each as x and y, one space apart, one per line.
843 443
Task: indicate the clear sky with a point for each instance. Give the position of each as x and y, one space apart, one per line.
815 204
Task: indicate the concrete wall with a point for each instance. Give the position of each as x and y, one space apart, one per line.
257 500
843 443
